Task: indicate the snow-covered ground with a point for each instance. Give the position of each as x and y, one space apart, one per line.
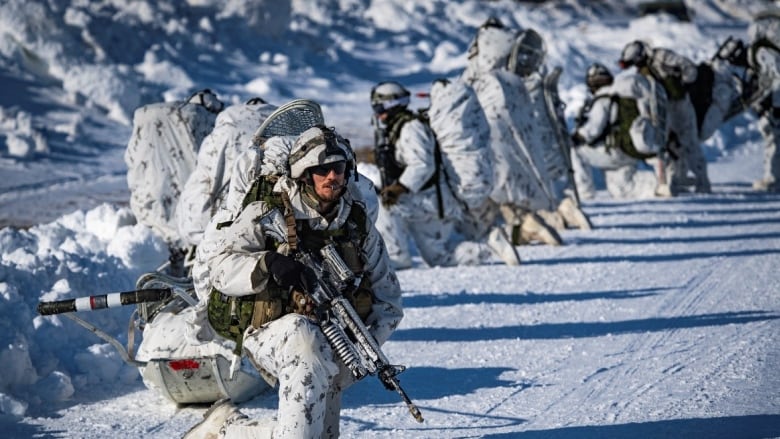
660 322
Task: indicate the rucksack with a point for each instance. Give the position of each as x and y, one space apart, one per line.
161 154
462 134
206 188
641 116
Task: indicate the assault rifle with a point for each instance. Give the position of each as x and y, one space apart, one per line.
384 154
342 326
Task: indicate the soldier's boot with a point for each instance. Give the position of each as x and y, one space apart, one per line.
534 228
573 216
663 191
215 418
552 219
765 185
499 244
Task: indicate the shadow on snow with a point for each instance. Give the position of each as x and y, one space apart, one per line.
549 331
729 427
650 258
463 298
585 240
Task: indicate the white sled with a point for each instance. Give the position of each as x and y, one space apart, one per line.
201 380
183 379
186 379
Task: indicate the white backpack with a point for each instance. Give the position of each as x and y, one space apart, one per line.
463 133
161 154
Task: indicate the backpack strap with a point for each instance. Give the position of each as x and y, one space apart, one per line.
289 219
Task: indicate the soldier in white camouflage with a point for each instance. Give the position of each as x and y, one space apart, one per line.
526 166
249 253
416 198
621 125
677 74
764 59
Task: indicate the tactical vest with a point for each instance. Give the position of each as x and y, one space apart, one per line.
395 124
230 316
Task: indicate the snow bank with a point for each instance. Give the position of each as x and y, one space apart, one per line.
46 359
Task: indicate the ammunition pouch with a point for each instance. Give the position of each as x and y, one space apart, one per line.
230 316
361 300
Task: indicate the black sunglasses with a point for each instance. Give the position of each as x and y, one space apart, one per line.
323 170
378 108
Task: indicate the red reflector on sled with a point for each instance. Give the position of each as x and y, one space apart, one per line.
183 364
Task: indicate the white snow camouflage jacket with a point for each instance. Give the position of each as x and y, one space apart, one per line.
231 254
414 151
669 67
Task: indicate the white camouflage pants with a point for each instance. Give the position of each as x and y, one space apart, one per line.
770 131
437 241
396 239
295 351
621 175
682 121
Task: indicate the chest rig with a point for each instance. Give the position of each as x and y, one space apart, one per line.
230 316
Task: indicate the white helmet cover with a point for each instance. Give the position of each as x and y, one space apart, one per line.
387 95
316 146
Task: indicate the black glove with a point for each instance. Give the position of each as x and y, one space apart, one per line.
289 273
390 194
577 139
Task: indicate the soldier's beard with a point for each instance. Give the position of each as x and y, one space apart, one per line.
326 193
332 195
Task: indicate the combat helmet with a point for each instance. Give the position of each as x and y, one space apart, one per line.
634 54
389 95
527 53
319 146
598 76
